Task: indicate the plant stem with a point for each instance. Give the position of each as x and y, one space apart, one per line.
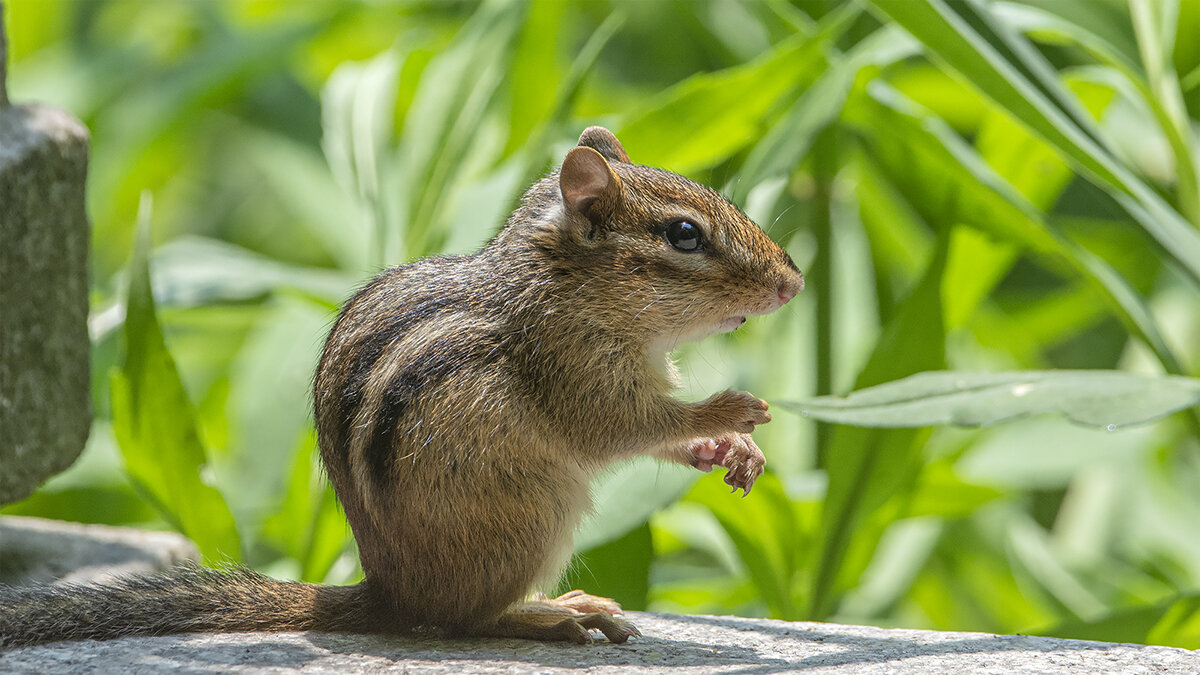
3 60
824 159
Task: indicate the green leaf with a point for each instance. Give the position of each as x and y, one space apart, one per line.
1050 319
627 496
1104 29
1108 36
133 129
538 142
300 179
1173 623
1023 160
309 525
900 239
619 569
443 126
1155 25
1032 555
534 63
191 271
357 110
902 552
976 265
155 424
866 468
941 492
764 532
782 148
1101 398
968 585
1006 68
947 182
680 130
109 505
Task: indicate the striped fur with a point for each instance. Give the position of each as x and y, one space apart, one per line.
463 403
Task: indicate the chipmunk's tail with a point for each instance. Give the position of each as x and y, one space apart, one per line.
184 600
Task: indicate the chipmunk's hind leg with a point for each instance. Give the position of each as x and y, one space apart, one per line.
545 620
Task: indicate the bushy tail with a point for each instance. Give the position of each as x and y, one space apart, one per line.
186 599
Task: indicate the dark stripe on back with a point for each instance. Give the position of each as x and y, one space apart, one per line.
367 352
453 356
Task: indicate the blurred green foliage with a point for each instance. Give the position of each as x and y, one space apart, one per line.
977 186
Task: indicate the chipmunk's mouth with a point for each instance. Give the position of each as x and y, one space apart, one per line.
729 324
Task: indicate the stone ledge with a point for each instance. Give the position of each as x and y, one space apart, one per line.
43 550
671 644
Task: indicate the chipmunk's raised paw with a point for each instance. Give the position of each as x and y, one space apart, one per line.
739 410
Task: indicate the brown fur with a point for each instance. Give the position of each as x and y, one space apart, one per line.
463 403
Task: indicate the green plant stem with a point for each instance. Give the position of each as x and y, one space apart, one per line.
824 170
1165 98
3 60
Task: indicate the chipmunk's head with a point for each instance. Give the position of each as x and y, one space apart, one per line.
682 260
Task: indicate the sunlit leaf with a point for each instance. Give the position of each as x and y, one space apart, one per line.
309 524
619 569
679 129
357 105
948 182
445 121
785 144
154 423
941 492
764 533
195 271
539 141
1174 623
867 467
627 496
1005 67
1035 559
1106 399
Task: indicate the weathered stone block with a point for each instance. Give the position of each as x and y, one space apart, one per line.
52 551
45 401
671 645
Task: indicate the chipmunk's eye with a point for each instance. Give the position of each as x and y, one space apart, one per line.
685 236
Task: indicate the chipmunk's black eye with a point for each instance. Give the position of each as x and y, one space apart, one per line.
685 236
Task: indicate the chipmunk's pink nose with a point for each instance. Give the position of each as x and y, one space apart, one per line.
786 293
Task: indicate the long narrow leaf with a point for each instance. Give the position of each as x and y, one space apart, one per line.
1009 71
539 141
979 197
867 467
680 131
155 424
1102 398
445 118
1174 622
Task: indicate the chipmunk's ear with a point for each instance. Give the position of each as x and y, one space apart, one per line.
603 141
589 186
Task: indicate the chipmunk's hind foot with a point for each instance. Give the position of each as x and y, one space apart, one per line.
582 602
549 621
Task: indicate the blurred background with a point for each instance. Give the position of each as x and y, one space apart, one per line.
977 186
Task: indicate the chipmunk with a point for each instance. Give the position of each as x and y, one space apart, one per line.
463 403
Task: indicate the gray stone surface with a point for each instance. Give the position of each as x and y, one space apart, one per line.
671 644
40 550
45 406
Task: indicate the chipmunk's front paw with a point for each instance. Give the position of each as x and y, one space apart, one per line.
744 462
736 452
737 410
